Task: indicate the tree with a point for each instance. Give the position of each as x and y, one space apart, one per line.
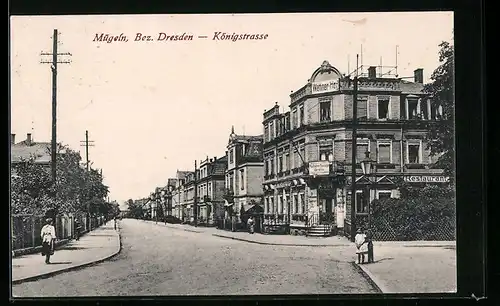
441 90
75 189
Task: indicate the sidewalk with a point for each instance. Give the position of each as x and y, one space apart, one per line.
285 240
96 246
413 267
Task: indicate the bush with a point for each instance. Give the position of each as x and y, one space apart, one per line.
426 213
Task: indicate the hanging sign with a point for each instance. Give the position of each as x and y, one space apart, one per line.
319 168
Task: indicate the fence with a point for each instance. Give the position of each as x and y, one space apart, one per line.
25 229
415 229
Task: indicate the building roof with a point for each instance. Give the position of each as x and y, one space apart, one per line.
22 151
411 87
182 174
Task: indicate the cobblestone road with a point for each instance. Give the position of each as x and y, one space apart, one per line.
156 260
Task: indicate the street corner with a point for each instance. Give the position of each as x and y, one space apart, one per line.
370 277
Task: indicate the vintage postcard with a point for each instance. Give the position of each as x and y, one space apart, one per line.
238 154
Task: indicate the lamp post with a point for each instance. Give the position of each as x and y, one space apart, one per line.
367 167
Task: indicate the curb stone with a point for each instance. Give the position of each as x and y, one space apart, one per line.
282 244
372 279
72 268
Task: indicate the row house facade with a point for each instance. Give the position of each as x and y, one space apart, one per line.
393 118
177 196
211 187
244 177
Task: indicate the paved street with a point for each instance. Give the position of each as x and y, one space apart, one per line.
158 260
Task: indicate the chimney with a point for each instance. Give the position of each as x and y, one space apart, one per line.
12 138
372 72
419 75
28 139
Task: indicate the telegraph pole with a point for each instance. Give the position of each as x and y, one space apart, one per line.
87 143
195 204
353 151
53 67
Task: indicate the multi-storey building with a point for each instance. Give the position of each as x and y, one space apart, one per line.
211 187
244 176
178 194
307 150
189 194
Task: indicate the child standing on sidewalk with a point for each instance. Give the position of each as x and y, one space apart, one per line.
361 245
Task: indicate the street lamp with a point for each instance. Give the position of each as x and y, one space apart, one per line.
367 167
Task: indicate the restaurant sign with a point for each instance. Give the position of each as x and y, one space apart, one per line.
326 86
426 179
319 168
283 184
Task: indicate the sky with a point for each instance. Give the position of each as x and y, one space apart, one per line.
154 107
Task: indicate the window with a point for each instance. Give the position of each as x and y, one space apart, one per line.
272 164
436 111
302 203
425 109
302 154
295 204
412 108
242 179
280 163
287 123
384 153
384 194
286 160
231 156
361 202
271 205
324 111
414 153
362 108
362 146
326 153
383 108
271 130
266 205
294 118
266 132
301 115
231 182
280 204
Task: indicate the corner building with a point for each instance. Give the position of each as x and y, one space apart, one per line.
307 149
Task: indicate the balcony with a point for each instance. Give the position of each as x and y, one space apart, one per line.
415 166
381 166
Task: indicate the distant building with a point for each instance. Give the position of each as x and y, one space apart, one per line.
244 177
211 188
178 194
